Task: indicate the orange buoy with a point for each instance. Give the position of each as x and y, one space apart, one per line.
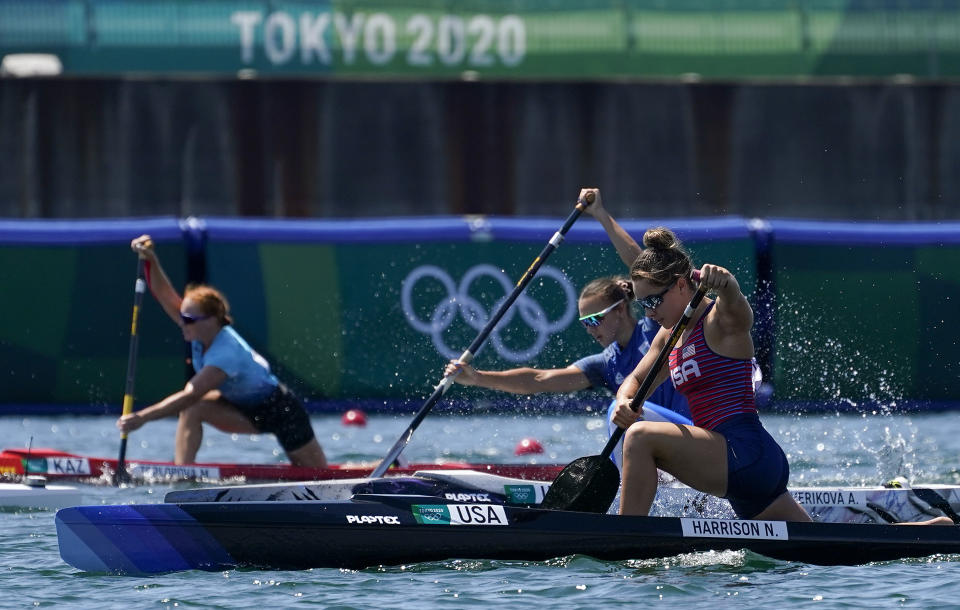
527 446
354 417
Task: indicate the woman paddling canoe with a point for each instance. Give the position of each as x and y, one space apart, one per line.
727 452
233 388
606 315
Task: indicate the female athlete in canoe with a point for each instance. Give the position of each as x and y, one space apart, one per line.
727 452
606 315
233 388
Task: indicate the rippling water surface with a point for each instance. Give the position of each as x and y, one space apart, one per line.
823 450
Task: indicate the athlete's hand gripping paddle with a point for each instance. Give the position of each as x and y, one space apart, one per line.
445 383
138 289
589 484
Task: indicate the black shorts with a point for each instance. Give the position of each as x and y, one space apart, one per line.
283 416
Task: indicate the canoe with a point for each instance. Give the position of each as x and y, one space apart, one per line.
373 529
60 465
875 504
34 493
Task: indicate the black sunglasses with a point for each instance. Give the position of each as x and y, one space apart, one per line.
655 300
190 319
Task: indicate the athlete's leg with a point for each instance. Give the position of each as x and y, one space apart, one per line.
784 508
651 412
696 456
310 455
211 409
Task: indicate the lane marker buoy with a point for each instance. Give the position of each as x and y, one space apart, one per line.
354 417
527 446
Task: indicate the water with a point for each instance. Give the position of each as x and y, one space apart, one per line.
823 450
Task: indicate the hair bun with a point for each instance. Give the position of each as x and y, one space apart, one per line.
659 238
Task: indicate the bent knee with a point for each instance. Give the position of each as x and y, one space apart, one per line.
638 435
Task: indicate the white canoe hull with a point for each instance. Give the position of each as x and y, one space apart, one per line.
18 496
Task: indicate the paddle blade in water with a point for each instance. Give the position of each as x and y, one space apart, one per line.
587 485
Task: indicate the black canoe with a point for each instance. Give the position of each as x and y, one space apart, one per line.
371 530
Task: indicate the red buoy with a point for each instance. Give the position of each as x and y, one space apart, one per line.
354 417
527 446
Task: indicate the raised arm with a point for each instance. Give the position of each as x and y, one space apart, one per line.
627 248
157 280
729 324
522 380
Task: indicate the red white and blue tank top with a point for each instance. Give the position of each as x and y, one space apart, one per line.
716 387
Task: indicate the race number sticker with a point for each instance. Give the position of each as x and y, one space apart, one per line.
731 528
459 514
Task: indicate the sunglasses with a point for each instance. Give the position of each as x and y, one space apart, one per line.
594 319
190 319
655 300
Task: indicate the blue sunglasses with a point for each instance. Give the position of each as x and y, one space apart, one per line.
594 319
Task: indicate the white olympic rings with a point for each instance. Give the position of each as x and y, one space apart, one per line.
458 300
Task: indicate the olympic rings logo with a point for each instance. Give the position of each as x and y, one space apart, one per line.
459 301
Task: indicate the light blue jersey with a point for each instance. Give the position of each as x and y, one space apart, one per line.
249 380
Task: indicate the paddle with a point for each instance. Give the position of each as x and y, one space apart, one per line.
589 484
445 383
138 289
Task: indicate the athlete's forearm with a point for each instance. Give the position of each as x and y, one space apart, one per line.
627 248
171 405
162 289
532 381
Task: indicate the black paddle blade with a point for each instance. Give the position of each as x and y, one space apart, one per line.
121 477
586 485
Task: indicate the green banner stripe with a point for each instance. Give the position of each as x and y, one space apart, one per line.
521 39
